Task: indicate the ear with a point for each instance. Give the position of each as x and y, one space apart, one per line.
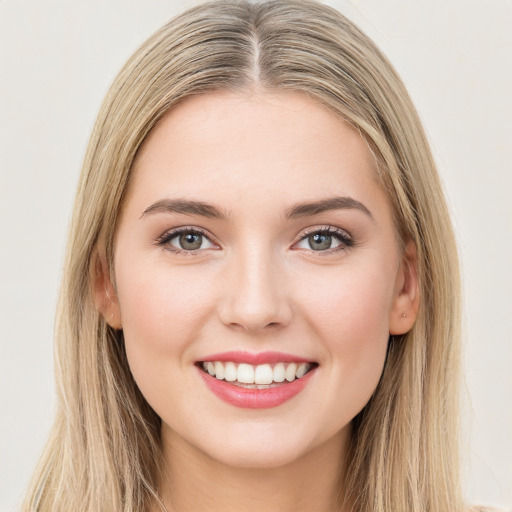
406 299
104 293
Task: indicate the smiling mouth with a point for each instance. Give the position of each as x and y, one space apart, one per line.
262 376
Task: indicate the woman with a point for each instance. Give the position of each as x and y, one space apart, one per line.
260 306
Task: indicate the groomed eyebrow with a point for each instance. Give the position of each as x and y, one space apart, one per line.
325 205
186 207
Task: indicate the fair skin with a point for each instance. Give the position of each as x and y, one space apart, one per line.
256 272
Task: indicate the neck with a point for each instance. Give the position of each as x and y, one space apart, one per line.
195 481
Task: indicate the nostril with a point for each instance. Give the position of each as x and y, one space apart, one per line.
254 324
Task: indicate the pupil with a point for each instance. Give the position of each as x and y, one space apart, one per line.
320 241
191 241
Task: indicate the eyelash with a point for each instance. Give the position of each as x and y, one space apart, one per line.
163 240
346 241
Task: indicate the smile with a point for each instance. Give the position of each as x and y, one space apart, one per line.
256 381
261 376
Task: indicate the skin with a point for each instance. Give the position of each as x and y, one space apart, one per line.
256 284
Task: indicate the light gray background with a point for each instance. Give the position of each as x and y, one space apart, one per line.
57 59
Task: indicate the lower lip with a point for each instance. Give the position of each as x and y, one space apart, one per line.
255 398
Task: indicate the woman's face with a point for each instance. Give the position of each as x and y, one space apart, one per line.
255 237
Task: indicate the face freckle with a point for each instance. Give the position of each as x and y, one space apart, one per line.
255 225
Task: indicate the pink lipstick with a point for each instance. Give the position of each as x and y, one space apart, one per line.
239 356
255 380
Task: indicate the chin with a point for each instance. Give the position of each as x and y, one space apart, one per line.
266 446
257 456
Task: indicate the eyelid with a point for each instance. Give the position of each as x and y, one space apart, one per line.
324 228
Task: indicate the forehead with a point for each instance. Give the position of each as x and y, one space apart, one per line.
226 147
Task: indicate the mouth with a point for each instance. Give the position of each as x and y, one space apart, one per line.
256 386
261 376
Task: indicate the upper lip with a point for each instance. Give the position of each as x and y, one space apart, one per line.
255 358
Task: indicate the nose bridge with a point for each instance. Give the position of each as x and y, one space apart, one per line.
255 293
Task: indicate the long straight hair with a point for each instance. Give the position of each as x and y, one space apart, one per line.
104 451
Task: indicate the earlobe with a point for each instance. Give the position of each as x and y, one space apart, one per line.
406 298
104 293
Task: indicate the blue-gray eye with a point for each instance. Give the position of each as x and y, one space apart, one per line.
189 241
325 239
320 241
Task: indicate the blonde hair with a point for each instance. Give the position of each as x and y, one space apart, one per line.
104 451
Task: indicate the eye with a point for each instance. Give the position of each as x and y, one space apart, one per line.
185 240
325 239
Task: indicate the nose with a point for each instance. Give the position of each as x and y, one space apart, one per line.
255 292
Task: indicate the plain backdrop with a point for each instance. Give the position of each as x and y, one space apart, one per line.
57 59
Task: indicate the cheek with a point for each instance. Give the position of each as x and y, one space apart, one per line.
350 306
349 313
163 311
159 302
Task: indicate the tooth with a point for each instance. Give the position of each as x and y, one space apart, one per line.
279 372
245 373
219 370
263 374
290 372
301 370
230 372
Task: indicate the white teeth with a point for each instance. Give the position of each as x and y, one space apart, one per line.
263 374
245 373
279 372
260 376
290 372
301 370
230 372
219 370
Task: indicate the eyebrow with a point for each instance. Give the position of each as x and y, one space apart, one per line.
189 207
186 207
325 205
